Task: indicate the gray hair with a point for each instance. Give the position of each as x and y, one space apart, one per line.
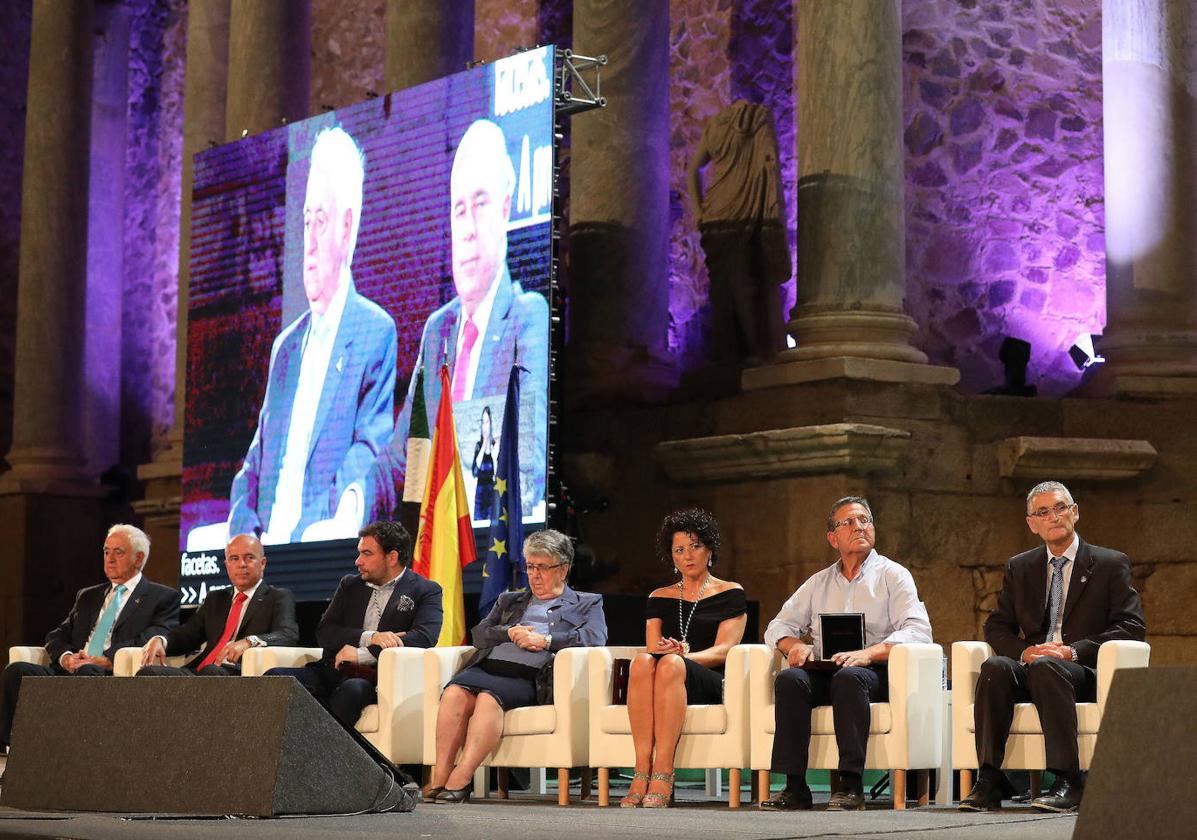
139 541
847 500
1048 487
337 154
484 139
550 543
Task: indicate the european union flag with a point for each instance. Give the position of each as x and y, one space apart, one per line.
504 566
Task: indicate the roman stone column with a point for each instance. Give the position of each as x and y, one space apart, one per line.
1149 65
46 454
619 214
427 39
849 317
270 65
204 106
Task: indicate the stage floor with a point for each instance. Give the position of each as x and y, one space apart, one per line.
537 818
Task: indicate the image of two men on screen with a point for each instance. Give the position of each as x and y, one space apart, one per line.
327 454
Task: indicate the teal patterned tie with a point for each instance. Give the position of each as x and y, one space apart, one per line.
104 626
1055 598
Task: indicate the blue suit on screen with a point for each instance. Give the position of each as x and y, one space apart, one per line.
354 421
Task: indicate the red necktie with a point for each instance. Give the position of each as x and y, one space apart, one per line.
461 368
230 627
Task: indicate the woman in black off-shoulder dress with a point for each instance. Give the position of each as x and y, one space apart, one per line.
691 625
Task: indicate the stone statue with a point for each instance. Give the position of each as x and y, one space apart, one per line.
742 222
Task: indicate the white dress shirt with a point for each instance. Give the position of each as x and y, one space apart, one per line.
481 318
385 590
318 344
883 590
1057 633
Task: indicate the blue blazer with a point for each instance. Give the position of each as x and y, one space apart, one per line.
414 608
518 328
354 420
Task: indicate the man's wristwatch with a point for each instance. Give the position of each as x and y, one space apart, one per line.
1073 651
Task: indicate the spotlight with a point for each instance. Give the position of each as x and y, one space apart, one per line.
1082 353
1015 355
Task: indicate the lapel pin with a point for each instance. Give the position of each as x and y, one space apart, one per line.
1083 578
340 364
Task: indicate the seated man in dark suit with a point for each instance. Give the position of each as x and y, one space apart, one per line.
385 605
125 612
1057 605
250 613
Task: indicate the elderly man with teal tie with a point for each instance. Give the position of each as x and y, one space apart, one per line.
125 612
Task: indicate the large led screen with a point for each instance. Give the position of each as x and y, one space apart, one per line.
332 261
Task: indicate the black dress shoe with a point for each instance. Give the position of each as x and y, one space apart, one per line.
1064 797
454 797
986 795
788 800
846 800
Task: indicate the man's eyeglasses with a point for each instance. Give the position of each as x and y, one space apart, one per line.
863 520
1058 509
541 568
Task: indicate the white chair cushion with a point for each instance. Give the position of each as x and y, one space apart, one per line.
823 723
700 720
530 720
368 722
1026 719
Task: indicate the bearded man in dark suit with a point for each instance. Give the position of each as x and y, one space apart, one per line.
125 612
250 613
1057 605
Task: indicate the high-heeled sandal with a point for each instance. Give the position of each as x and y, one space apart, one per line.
633 800
653 799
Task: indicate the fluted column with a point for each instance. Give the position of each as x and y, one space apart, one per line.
427 39
270 63
849 317
204 97
46 453
619 213
1149 64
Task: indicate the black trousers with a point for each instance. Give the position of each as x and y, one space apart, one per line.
207 671
848 691
345 697
1055 686
17 671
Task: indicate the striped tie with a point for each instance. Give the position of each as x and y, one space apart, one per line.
1055 597
99 636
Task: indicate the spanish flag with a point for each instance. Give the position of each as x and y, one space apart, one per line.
445 541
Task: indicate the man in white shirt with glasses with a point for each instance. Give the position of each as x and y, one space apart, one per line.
860 581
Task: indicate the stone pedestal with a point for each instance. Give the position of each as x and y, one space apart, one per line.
619 216
427 39
1149 66
851 228
46 454
270 64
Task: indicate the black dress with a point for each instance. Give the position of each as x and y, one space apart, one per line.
703 684
484 491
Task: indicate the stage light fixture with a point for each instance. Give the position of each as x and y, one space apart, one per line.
1083 354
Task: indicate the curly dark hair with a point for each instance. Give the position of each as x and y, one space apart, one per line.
694 521
391 536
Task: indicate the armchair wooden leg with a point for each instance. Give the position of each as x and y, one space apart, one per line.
501 773
923 783
563 786
586 782
897 783
762 783
966 783
733 788
604 787
1036 783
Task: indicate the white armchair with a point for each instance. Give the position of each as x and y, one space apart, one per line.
1025 747
905 733
713 736
395 724
534 736
28 653
127 661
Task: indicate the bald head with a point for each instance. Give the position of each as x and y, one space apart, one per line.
245 561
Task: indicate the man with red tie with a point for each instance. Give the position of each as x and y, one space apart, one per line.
250 613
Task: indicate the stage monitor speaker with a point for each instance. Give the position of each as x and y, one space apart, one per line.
1141 779
186 745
